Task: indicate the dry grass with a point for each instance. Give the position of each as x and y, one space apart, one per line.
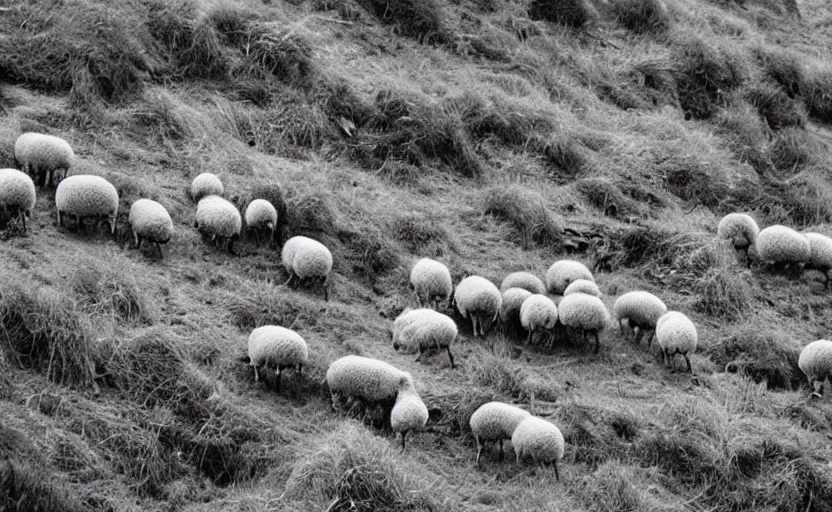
527 212
643 16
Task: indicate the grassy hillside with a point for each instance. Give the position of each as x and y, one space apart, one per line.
492 135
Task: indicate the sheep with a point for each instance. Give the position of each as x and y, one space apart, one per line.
17 195
583 286
525 280
431 282
586 313
642 310
260 216
742 231
478 297
220 220
425 330
563 272
277 348
369 380
820 257
676 334
784 247
539 439
495 421
86 197
150 221
513 299
307 261
815 362
409 411
43 155
538 312
206 184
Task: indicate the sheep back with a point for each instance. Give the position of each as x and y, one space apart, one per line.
816 360
640 308
820 246
306 257
525 280
583 286
513 299
17 190
496 420
151 220
206 184
261 213
477 295
41 152
538 311
583 311
539 439
739 228
430 279
423 328
86 195
369 379
276 347
217 216
675 332
409 412
781 244
563 272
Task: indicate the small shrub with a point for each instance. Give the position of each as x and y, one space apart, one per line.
572 13
419 19
785 68
642 16
705 74
422 235
792 150
775 106
526 211
818 93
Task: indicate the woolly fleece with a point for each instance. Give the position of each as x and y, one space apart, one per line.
538 312
539 439
513 299
276 347
739 228
562 273
640 308
150 220
305 257
369 379
261 214
675 332
525 280
781 244
17 190
431 280
583 286
206 184
218 217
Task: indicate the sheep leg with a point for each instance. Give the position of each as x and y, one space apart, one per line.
640 333
23 216
597 343
474 323
502 453
529 338
479 450
664 356
159 247
404 436
450 356
421 353
256 373
300 371
60 219
279 375
326 289
621 325
825 274
687 361
557 473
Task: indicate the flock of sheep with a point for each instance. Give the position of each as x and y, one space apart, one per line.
523 300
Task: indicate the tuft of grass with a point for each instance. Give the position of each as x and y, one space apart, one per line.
112 292
423 20
311 214
775 106
285 55
606 196
688 178
44 329
596 435
23 488
572 13
642 16
526 211
564 154
617 487
367 252
817 93
723 292
422 234
484 118
740 124
792 150
784 68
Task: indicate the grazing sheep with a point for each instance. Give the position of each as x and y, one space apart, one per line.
539 439
525 280
478 297
513 299
87 197
583 286
563 272
17 195
641 310
431 282
261 215
538 312
370 380
220 220
43 155
783 246
276 348
307 261
495 421
150 221
820 257
585 313
426 330
816 362
742 231
409 412
206 184
676 334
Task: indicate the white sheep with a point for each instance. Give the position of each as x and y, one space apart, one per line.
431 282
220 220
539 439
815 362
17 195
307 261
370 380
676 334
260 216
820 257
276 348
150 221
585 313
478 298
513 299
783 246
426 330
642 310
741 230
87 197
495 421
537 313
525 280
583 286
563 272
409 412
43 155
206 184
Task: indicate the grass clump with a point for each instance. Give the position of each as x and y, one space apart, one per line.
607 197
420 19
563 154
792 150
642 16
775 106
723 292
817 94
23 488
422 234
284 55
114 293
526 211
689 179
572 13
310 214
784 68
